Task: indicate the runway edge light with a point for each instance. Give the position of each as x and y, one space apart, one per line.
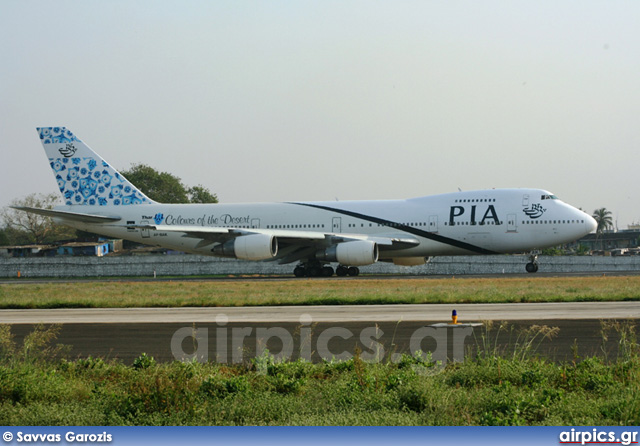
454 317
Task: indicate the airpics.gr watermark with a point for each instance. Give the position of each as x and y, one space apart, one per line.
224 344
596 436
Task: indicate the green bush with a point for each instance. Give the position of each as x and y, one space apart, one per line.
490 389
143 361
220 387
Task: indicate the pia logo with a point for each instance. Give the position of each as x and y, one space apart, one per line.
68 151
535 211
158 218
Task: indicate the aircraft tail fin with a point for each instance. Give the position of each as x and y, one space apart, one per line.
84 178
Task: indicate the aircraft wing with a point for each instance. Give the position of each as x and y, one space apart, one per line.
210 235
294 244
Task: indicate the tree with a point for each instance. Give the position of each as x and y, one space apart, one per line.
4 237
603 217
24 227
200 194
165 187
583 250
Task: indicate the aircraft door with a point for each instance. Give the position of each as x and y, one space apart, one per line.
255 223
336 224
433 223
512 223
145 232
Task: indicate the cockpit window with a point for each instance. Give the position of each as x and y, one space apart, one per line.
548 197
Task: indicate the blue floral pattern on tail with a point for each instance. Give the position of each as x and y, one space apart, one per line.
87 180
55 135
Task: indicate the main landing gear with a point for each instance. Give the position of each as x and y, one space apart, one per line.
532 266
317 269
347 271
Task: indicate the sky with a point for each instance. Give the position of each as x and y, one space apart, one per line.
324 100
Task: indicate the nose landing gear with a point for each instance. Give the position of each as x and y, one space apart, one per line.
532 266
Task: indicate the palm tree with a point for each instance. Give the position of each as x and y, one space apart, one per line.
603 217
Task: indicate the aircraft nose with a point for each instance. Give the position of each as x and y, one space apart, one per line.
590 224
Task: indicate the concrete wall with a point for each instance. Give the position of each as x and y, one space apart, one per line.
186 265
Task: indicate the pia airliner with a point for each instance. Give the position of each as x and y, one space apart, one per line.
313 235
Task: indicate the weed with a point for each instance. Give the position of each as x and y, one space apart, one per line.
488 345
7 343
143 361
220 387
495 387
414 398
360 369
37 346
524 342
529 339
628 347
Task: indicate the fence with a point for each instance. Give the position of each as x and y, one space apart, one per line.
191 265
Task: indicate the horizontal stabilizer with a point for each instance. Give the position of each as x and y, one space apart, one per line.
73 216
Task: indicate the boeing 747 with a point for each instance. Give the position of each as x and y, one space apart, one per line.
314 235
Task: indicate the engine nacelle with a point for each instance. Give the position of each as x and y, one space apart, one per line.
356 253
410 261
249 247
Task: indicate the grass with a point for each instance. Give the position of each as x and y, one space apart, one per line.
316 292
39 388
510 386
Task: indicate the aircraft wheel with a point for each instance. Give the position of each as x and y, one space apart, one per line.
299 271
342 271
353 271
314 271
531 267
327 271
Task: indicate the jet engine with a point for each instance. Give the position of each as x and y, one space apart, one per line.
355 253
249 247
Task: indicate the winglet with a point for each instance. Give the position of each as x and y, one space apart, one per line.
84 178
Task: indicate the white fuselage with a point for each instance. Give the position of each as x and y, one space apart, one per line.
476 222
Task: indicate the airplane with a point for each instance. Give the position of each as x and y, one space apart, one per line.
407 232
